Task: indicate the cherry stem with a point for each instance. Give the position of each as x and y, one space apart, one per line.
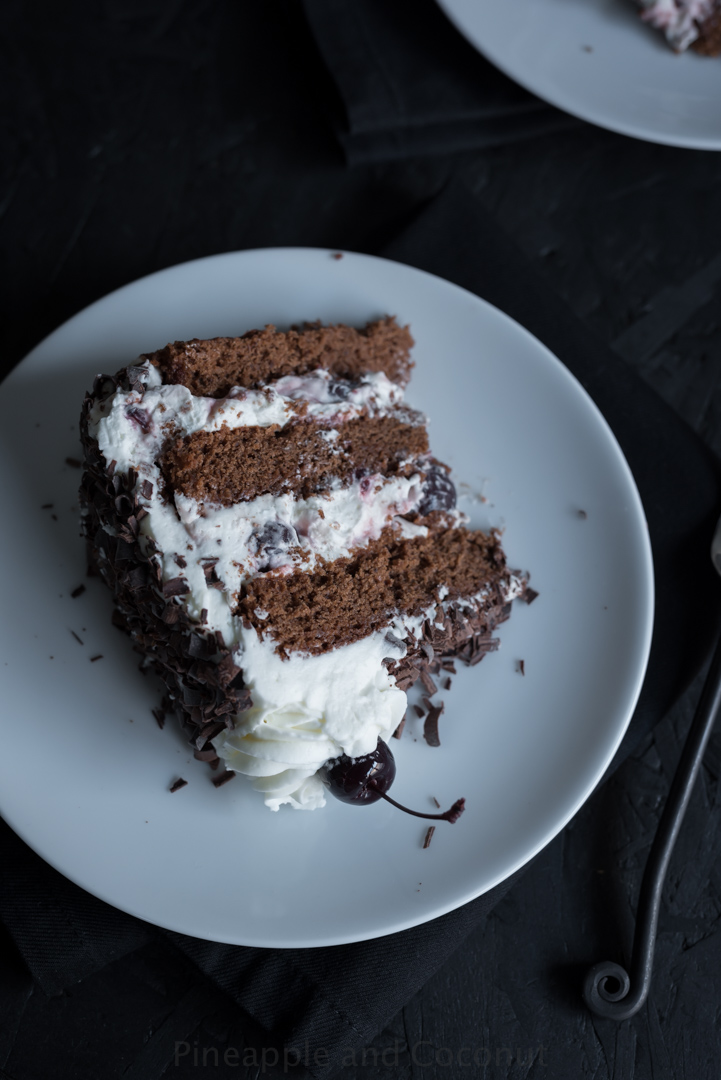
451 815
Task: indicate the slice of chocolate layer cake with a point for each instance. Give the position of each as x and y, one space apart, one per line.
282 546
694 24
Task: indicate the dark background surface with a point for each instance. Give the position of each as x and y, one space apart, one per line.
145 134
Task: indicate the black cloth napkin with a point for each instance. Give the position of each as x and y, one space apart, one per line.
412 85
320 1004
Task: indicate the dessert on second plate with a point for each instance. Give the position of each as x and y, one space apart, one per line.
283 546
686 24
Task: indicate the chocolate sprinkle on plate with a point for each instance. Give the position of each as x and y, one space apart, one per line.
47 506
99 656
430 727
530 595
159 715
179 783
429 836
78 639
77 592
522 667
337 255
218 781
428 684
399 730
582 514
73 463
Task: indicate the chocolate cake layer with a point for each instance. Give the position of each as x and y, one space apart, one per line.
345 600
211 368
234 464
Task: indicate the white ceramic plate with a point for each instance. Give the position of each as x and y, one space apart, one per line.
598 61
85 771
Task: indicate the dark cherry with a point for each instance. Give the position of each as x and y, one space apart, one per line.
366 779
439 492
271 541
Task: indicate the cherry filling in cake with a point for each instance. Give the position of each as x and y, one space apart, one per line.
285 550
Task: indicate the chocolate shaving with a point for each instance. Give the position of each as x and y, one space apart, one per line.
429 835
218 781
399 730
522 666
77 592
177 586
134 375
180 561
98 656
78 639
206 755
430 727
428 684
530 595
47 506
447 683
394 640
159 715
448 665
207 733
179 783
420 712
435 800
427 648
146 489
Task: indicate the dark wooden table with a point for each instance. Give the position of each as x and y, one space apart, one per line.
142 135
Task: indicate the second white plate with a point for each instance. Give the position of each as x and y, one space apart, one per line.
597 60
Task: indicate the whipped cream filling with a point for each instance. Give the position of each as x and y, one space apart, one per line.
134 425
679 19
